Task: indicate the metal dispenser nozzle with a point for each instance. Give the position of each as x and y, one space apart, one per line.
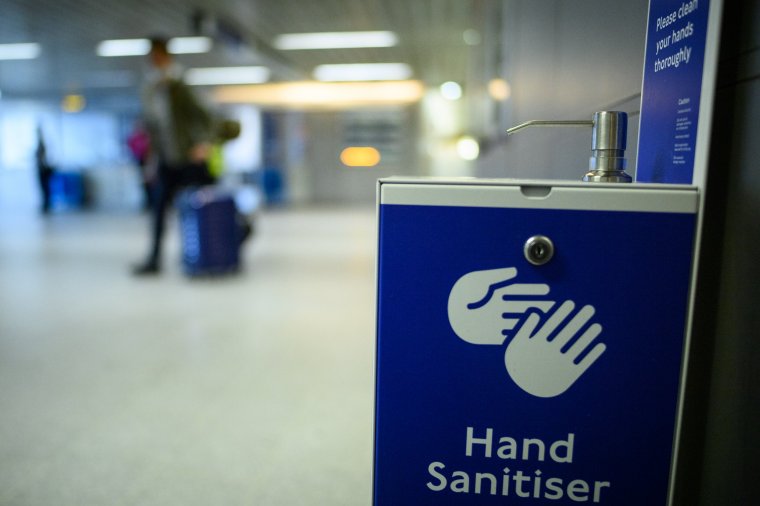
609 130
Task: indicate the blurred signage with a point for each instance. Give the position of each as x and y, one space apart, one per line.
384 131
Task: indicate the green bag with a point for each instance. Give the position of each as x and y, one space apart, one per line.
215 161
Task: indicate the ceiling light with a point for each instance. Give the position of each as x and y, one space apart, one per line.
335 40
363 72
499 89
123 47
451 90
468 148
316 95
140 47
24 51
227 75
187 45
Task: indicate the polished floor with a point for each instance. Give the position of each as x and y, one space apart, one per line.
253 389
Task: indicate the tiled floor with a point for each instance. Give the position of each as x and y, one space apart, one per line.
253 389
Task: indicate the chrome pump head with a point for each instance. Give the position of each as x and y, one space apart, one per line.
609 130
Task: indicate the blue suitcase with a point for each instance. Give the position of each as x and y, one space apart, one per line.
209 230
66 190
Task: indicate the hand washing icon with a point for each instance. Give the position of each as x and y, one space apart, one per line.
549 350
485 306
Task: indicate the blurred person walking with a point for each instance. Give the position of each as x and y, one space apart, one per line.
44 171
180 131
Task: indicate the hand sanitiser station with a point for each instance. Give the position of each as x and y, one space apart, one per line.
532 335
530 339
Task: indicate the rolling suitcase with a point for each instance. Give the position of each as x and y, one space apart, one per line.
209 230
66 190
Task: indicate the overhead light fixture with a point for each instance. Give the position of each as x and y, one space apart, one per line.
317 95
451 90
140 47
335 40
499 89
189 45
123 47
468 148
226 75
363 72
22 51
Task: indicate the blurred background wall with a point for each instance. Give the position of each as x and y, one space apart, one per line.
566 60
480 66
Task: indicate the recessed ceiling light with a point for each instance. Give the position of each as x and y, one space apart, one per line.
123 47
468 148
499 89
227 75
23 51
335 40
188 45
140 47
363 72
451 90
316 95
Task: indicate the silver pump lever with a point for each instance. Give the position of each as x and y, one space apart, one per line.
609 130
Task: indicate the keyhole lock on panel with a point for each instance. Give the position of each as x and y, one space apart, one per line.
538 250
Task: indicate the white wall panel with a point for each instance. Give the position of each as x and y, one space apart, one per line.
567 60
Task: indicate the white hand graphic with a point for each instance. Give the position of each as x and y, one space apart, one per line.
484 306
538 365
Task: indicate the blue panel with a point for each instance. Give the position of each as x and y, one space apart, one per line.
618 416
674 60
